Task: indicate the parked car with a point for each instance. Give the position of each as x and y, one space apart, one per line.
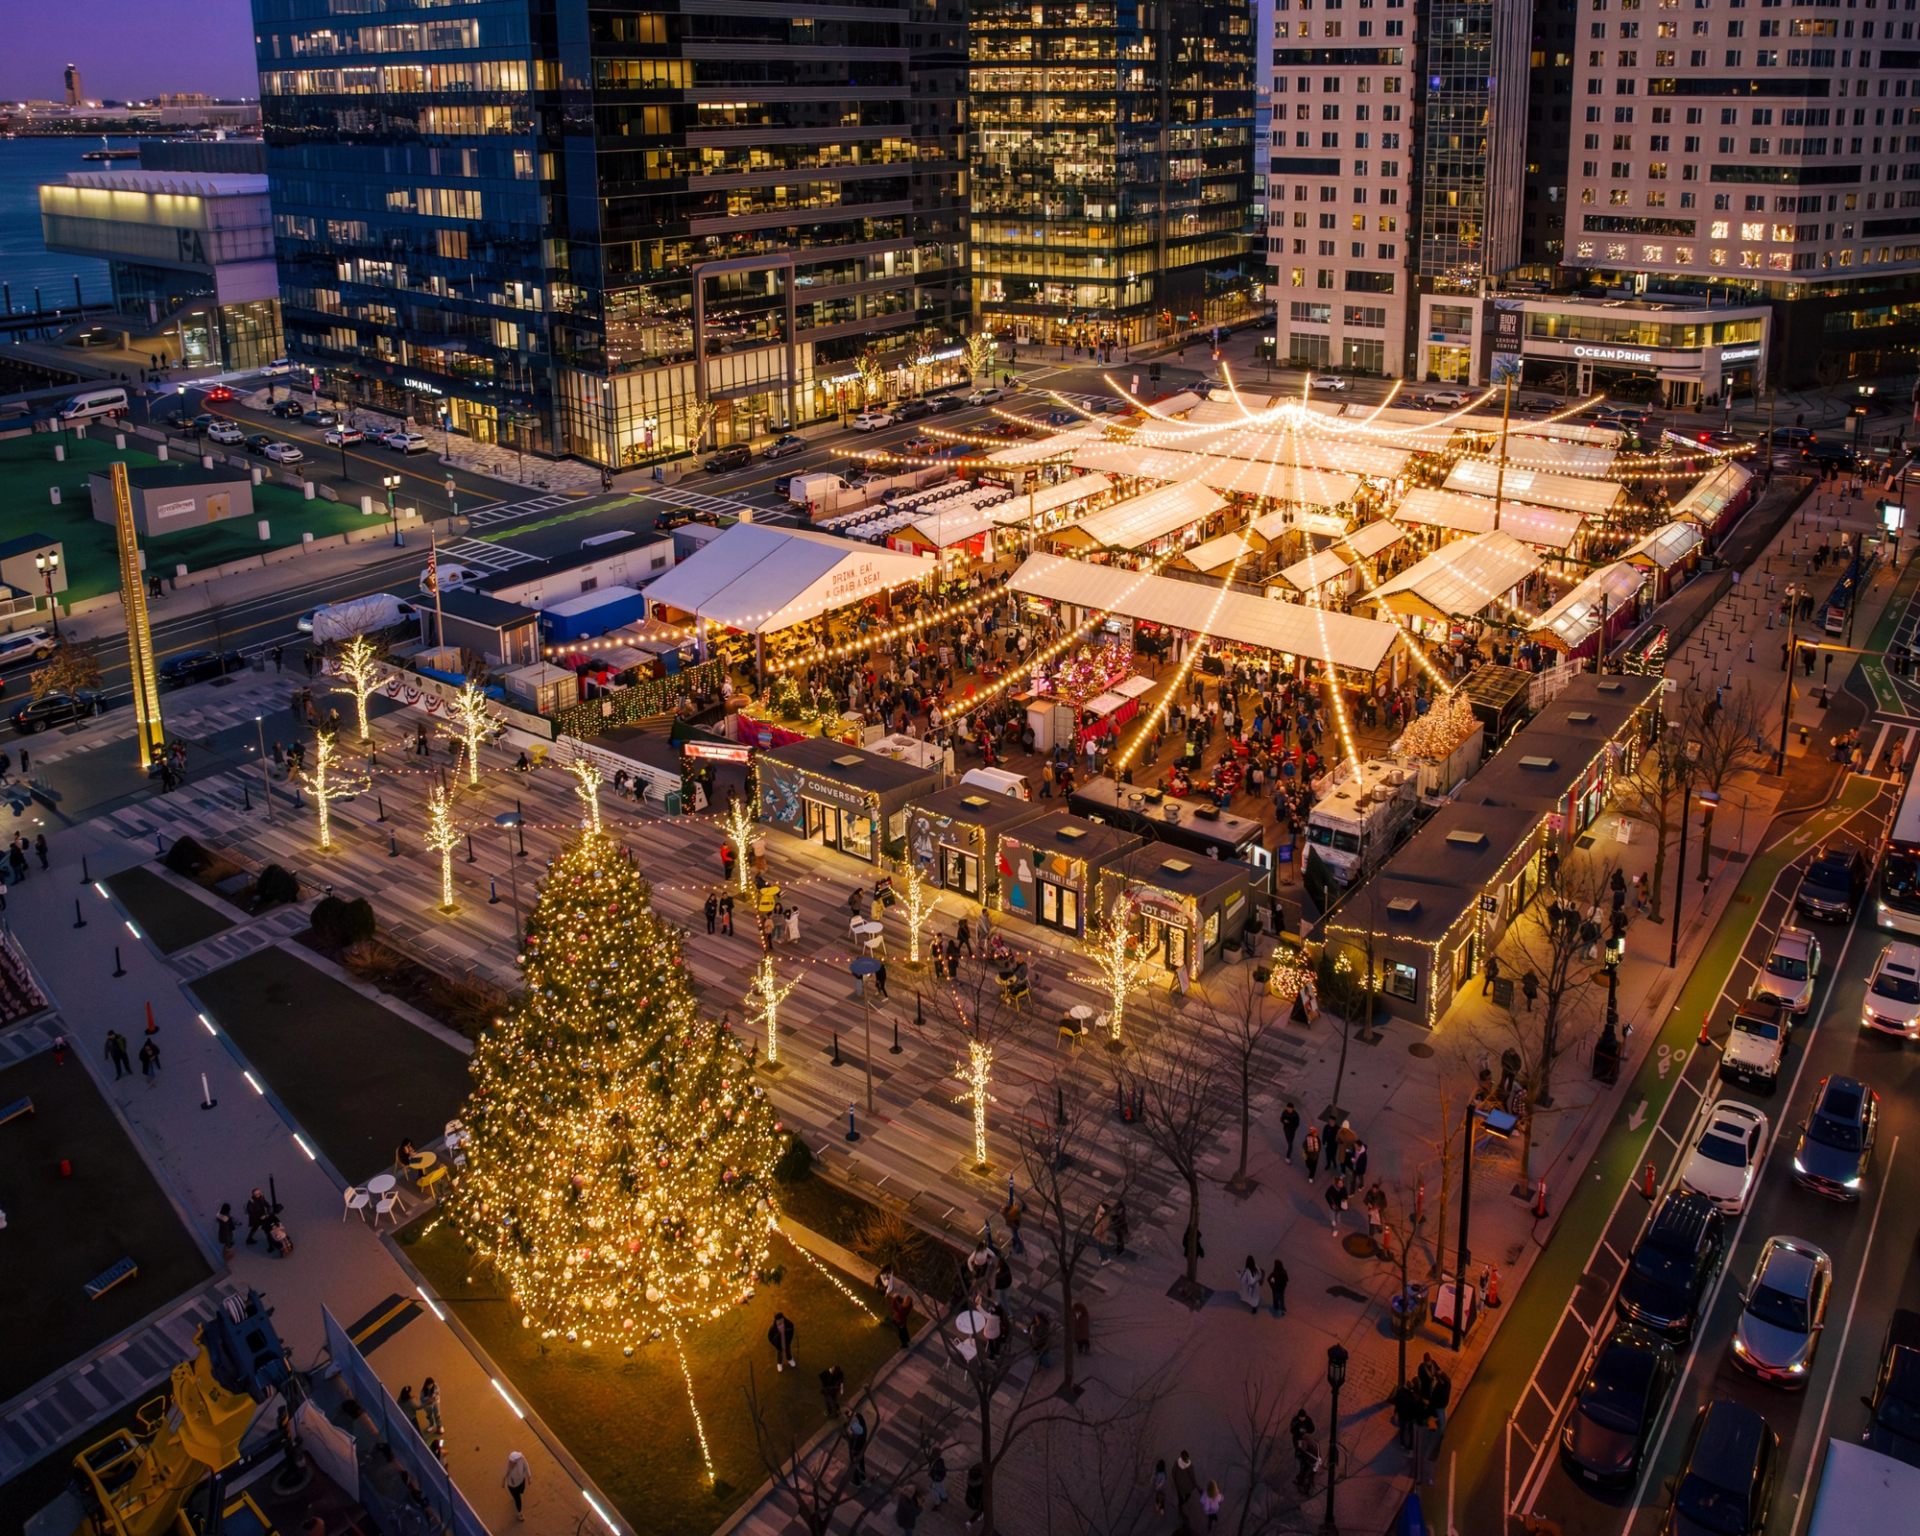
180 421
278 368
1724 1164
1836 1142
1893 992
283 453
986 396
25 645
1792 967
1622 1398
1756 1047
1670 1267
1783 1311
786 447
405 442
198 666
941 404
319 416
225 432
911 410
871 421
737 456
1833 884
452 576
56 709
1894 1428
287 410
1330 381
1725 1486
1445 399
339 437
1794 437
258 442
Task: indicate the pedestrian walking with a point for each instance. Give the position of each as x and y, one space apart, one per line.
1160 1486
1002 1279
149 1061
1082 1329
1440 1396
1250 1285
1120 1228
975 1495
259 1214
833 1382
1012 1213
117 1054
1306 1455
937 1479
1336 1200
780 1336
1102 1228
906 1514
430 1403
1530 988
223 1231
1492 974
1192 1242
712 910
1311 1154
1185 1484
902 1309
1359 1161
857 1450
1277 1285
1211 1500
40 845
726 914
1040 1336
514 1480
1289 1125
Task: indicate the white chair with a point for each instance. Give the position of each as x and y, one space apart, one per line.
389 1205
356 1200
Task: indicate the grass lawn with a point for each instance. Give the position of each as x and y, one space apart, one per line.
27 469
627 1421
357 1077
62 1232
165 913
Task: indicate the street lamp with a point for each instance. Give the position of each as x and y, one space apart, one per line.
266 772
46 564
392 484
1501 1124
1336 1378
509 820
1686 811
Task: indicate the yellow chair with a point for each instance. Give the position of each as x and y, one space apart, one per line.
432 1178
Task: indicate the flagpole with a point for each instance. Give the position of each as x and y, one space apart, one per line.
433 575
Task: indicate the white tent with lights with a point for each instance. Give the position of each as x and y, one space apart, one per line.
759 579
1544 527
1459 580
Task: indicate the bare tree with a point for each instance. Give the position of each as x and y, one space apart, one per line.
1656 793
1244 1016
70 668
817 1477
1724 735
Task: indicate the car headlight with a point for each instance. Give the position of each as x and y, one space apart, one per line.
1739 1346
1854 1182
1798 1166
1798 1368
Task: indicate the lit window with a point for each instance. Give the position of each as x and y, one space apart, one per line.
1683 255
1653 253
1749 258
1616 250
1753 231
1780 261
1584 248
1718 258
1656 199
1719 230
1619 197
1783 234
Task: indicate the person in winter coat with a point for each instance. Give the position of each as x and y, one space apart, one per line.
1250 1285
1336 1200
780 1336
1277 1284
1310 1154
975 1496
1290 1125
1185 1484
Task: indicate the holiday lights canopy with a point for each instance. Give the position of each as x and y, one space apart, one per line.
622 1155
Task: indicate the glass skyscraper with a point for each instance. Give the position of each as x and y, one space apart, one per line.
613 233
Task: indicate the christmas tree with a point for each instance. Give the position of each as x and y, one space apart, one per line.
622 1156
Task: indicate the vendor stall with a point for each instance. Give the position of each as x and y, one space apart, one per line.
1543 527
951 835
839 796
1717 499
1606 598
1050 868
1668 554
1184 908
1569 493
1458 581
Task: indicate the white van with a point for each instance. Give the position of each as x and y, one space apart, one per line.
90 404
998 781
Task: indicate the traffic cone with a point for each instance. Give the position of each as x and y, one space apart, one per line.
1540 1200
1648 1190
1705 1038
152 1028
1493 1287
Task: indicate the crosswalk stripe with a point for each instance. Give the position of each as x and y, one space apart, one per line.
489 557
510 512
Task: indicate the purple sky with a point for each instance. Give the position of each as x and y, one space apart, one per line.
129 48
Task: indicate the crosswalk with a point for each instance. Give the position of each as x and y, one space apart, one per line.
485 555
517 511
699 501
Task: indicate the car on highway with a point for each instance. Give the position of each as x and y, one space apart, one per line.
986 396
405 442
339 437
319 416
25 645
1791 968
1756 1047
452 577
911 410
278 368
287 410
735 456
1836 1142
1894 1428
258 442
1893 992
1783 1311
1835 881
225 432
1671 1266
198 666
1330 381
1724 1164
871 421
283 453
55 709
1625 1392
1725 1484
219 392
786 447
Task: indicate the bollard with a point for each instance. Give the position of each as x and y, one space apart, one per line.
381 802
246 796
1648 1191
159 844
894 1049
852 1134
393 848
493 893
85 878
79 917
152 1028
470 857
1540 1201
207 1100
836 1061
66 1168
118 968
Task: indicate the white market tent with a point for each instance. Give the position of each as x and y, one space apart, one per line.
1571 621
758 579
1590 498
1541 526
1347 455
1666 546
1217 554
1140 520
1379 535
1062 493
1569 432
1316 570
1459 580
1709 498
1338 639
1557 458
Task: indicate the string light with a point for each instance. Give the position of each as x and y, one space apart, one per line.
977 1072
584 768
1120 961
699 1427
359 663
330 779
738 822
442 836
882 637
920 908
476 721
766 987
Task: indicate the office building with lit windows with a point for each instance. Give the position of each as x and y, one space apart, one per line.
1112 195
618 234
1749 152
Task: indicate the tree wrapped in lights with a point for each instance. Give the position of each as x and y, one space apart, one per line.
1447 723
473 722
769 994
920 906
622 1155
589 773
442 837
1120 960
331 778
738 824
358 663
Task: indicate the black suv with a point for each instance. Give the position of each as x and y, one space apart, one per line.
1670 1267
1894 1429
287 410
739 456
1836 1144
1833 884
1621 1400
55 709
1725 1486
198 666
911 410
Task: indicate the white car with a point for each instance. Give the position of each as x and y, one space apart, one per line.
278 368
452 577
339 437
1756 1047
1445 400
871 421
1724 1164
986 396
405 442
23 644
283 453
1893 992
225 432
1330 381
1793 965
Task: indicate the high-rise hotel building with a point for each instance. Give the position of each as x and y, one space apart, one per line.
1751 151
611 231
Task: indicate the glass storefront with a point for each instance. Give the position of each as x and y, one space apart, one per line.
1059 907
833 826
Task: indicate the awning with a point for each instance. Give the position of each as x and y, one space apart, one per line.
1459 580
1140 520
1569 432
1316 570
1708 499
946 528
1570 622
758 578
1665 547
1062 493
1339 639
1217 554
1379 535
1590 498
1542 526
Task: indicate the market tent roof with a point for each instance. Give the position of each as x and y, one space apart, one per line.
1348 454
1665 547
1572 620
1217 554
1139 520
1569 432
1709 498
1546 454
1542 526
1372 539
1400 422
1316 570
1590 498
1339 639
758 578
1459 579
946 528
1176 404
1061 493
1225 412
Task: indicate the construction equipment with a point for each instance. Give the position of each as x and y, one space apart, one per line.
137 1482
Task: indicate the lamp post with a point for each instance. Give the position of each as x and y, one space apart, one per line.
391 483
509 820
266 770
46 564
1499 1123
1336 1378
1680 865
1793 660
